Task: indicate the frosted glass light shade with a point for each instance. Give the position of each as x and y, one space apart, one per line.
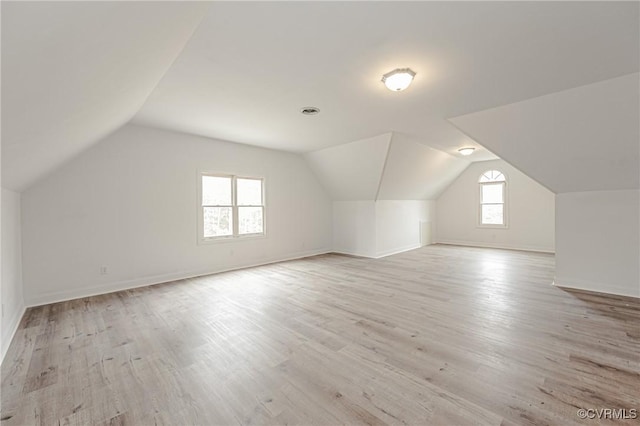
398 79
466 151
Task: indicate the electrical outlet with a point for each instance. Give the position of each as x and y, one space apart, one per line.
103 270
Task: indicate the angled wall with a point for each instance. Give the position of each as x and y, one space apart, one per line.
582 139
351 171
415 171
72 72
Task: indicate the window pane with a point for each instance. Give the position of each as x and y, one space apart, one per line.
492 176
216 191
492 193
249 192
218 221
250 220
492 214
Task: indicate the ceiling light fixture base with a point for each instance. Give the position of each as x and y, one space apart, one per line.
466 151
398 79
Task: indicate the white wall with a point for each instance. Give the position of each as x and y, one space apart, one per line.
129 204
379 228
398 224
351 171
530 214
415 171
354 227
598 241
11 291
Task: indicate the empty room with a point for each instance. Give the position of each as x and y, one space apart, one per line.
320 213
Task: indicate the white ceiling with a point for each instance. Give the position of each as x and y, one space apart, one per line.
391 166
250 67
582 139
74 71
414 171
351 171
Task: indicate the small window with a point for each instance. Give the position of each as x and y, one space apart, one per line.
493 193
230 206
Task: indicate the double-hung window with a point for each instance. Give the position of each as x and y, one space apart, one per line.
230 207
493 192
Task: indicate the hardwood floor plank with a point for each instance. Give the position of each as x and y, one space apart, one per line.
441 335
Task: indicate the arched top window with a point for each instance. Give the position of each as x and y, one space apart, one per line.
492 176
492 211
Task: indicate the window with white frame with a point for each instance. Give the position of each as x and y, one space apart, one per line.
230 206
493 194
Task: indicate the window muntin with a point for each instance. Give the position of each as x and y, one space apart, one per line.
492 176
492 199
217 206
230 206
250 206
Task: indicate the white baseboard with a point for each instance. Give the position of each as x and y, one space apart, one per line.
596 287
497 246
61 296
377 255
352 253
397 250
7 338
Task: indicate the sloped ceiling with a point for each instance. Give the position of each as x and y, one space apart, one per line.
582 139
391 166
351 171
250 67
74 71
414 171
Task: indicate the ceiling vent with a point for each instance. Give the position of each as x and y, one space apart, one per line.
310 110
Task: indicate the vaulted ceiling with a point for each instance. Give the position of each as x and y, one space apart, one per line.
391 166
74 71
582 139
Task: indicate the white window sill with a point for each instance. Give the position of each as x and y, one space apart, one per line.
231 239
493 226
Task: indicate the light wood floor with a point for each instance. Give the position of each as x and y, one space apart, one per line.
440 336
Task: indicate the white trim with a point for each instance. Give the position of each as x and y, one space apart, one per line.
505 198
352 253
380 255
61 296
505 217
594 286
232 239
235 212
497 246
15 323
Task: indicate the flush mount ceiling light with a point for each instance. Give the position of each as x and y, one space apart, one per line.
310 110
466 151
398 79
